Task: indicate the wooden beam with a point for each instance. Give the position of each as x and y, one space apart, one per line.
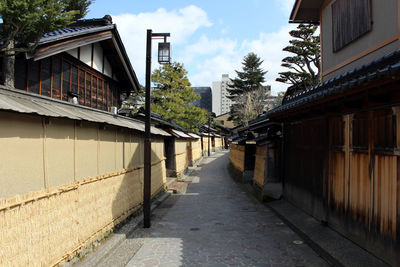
57 48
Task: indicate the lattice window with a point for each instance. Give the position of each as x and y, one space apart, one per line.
350 20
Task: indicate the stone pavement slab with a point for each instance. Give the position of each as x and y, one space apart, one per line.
215 223
336 248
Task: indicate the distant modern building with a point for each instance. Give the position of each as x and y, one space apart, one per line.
221 103
205 100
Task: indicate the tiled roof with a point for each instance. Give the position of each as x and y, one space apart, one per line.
374 71
80 27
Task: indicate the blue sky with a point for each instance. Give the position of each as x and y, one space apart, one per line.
209 37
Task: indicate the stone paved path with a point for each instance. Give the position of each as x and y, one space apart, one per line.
215 223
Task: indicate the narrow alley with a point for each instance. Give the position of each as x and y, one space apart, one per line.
213 223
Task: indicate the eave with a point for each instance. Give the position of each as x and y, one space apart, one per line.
306 11
53 45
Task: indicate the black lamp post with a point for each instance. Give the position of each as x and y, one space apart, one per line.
163 58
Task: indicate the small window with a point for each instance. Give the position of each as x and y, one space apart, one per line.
66 83
56 91
81 79
45 88
88 96
350 20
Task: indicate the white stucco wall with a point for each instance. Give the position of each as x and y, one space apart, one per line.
86 54
98 57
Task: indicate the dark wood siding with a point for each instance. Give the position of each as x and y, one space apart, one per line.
350 20
305 146
364 175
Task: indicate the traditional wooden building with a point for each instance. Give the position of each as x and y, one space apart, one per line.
86 60
341 137
70 170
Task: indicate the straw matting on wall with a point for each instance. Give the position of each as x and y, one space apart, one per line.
181 157
50 225
236 156
218 143
196 150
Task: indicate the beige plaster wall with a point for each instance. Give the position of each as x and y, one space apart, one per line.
63 185
196 149
21 142
181 156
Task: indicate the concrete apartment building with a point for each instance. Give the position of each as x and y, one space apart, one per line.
220 102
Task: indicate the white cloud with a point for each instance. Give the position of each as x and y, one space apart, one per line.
205 46
206 59
180 23
226 56
212 68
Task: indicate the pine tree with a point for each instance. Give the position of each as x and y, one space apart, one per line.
172 96
25 21
246 91
249 79
80 7
304 65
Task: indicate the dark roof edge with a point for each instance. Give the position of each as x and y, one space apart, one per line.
373 71
75 33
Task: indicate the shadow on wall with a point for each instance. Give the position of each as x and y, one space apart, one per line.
129 196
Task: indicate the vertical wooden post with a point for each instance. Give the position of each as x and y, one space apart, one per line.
371 156
347 137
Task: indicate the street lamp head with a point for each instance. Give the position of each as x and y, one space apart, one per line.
164 53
